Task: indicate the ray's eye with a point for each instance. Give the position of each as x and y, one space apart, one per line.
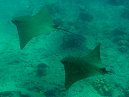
64 61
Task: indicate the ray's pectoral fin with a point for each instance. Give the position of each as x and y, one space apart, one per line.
94 57
78 68
32 26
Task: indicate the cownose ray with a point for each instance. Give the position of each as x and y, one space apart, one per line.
79 67
31 26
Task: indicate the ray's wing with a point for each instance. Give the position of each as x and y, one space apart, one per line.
94 57
74 70
32 26
78 68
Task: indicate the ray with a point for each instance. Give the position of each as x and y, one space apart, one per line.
82 66
29 27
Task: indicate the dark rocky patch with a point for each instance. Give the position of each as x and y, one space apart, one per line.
116 2
6 94
50 93
121 39
23 95
41 70
55 92
125 13
9 94
72 41
85 16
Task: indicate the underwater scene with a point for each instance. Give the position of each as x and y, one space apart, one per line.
64 48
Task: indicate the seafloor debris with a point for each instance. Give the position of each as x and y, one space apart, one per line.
103 87
120 37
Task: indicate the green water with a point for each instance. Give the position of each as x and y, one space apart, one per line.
78 26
